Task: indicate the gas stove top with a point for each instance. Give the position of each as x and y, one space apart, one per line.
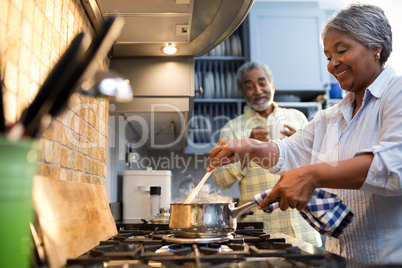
154 246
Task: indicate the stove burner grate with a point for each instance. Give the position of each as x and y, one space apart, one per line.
247 247
183 249
207 240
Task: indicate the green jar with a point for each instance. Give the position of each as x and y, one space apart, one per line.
17 168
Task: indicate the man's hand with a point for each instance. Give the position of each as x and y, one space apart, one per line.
289 132
260 133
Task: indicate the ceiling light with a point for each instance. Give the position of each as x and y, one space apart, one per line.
170 49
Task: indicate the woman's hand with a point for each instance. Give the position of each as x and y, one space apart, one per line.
294 189
296 186
229 151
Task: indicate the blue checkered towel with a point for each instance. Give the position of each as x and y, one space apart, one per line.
325 212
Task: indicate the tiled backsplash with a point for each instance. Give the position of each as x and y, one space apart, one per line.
33 36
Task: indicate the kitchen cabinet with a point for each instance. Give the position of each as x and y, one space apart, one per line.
286 36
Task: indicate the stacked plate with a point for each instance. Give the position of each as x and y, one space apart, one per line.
236 46
209 85
219 84
209 119
204 124
232 46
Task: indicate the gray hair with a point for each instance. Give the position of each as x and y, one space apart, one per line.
367 24
248 66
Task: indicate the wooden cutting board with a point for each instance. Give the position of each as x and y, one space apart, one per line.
73 217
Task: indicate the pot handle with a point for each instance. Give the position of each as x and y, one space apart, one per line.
242 209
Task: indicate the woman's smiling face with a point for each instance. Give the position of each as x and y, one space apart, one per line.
351 63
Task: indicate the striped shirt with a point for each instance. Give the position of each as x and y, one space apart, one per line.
253 179
374 236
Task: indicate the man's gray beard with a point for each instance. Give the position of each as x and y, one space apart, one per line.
260 107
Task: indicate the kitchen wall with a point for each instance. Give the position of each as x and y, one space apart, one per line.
33 36
120 135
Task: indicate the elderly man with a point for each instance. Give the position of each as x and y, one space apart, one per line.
255 82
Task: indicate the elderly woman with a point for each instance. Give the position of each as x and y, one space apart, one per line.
354 149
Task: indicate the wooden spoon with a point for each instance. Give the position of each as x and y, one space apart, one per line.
194 193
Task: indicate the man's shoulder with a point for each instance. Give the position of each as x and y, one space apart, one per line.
237 120
287 110
290 111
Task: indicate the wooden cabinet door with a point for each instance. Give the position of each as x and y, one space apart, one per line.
287 38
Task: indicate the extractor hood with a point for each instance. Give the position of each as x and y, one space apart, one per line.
163 98
194 26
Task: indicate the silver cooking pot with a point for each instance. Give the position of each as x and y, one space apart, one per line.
202 220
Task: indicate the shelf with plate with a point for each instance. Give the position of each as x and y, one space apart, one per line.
215 72
220 101
216 98
220 58
210 115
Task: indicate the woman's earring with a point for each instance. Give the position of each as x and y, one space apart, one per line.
377 56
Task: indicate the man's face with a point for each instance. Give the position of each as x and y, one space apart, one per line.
257 90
